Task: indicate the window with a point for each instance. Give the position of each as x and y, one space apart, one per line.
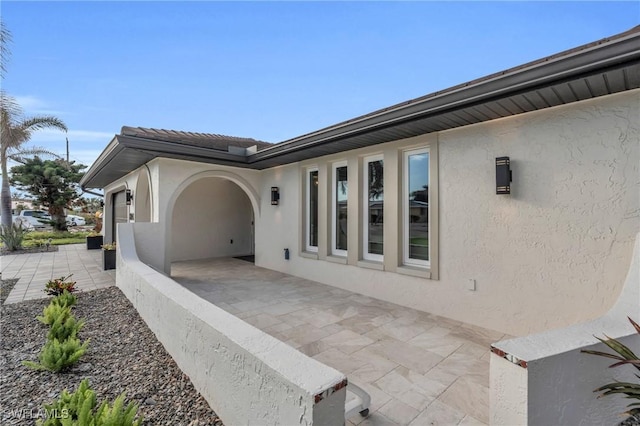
312 210
416 207
373 208
339 214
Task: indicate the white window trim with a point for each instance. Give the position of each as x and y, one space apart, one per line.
405 210
334 198
307 238
365 209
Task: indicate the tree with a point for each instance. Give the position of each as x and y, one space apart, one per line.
5 39
15 131
53 183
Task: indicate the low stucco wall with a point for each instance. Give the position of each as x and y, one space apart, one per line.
544 378
247 376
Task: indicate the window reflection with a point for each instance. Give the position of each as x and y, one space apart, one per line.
313 208
375 179
341 192
418 206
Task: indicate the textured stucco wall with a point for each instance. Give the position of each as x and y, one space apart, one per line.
247 376
212 217
553 253
559 378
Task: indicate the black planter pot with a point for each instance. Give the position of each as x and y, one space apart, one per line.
94 242
108 259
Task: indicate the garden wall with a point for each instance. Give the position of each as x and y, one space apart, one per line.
544 379
247 376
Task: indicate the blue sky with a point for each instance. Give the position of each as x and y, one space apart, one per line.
268 70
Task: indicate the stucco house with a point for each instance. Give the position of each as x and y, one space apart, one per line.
403 204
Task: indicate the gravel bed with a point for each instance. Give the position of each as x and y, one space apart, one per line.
5 288
27 250
123 356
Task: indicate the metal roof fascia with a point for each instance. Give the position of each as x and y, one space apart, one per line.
596 57
110 151
162 147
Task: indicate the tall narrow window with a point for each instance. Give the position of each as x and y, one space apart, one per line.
339 216
373 208
312 210
416 207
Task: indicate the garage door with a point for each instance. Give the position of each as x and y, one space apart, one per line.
119 205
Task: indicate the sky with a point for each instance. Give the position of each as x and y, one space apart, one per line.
267 70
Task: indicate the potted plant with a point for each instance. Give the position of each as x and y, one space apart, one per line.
94 241
109 256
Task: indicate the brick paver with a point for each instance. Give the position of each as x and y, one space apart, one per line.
35 269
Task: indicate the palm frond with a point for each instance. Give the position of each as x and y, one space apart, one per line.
5 53
32 124
21 155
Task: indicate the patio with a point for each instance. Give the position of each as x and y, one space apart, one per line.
418 368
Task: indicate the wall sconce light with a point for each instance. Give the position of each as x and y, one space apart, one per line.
275 195
129 195
504 177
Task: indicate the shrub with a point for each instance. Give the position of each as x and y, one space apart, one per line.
57 356
12 236
623 355
57 286
65 299
72 408
117 414
52 312
64 327
77 408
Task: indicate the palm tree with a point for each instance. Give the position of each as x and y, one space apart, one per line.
15 131
5 39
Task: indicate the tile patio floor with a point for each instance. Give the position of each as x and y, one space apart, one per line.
420 369
34 270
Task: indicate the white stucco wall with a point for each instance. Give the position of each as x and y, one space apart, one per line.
246 375
212 217
556 387
552 253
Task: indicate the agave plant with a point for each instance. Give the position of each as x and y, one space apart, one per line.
623 355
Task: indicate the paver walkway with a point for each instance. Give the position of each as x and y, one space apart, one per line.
35 269
420 369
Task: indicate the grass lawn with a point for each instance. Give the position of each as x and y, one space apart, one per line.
58 238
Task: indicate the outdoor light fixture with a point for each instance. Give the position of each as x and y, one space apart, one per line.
129 194
504 176
275 195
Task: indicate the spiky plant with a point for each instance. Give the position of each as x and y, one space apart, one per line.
15 131
623 355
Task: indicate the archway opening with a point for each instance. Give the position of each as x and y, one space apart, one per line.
142 194
212 217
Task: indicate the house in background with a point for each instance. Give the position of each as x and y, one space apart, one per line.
401 205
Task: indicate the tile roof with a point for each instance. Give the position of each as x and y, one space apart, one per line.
201 140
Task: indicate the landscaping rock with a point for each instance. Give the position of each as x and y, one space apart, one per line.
123 356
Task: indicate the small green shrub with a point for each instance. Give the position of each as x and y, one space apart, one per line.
73 408
57 356
52 312
12 236
57 286
77 409
65 299
65 327
117 414
623 355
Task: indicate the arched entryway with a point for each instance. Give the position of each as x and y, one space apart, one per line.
211 217
142 197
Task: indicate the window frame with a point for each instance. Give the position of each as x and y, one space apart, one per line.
406 209
334 204
366 255
307 237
